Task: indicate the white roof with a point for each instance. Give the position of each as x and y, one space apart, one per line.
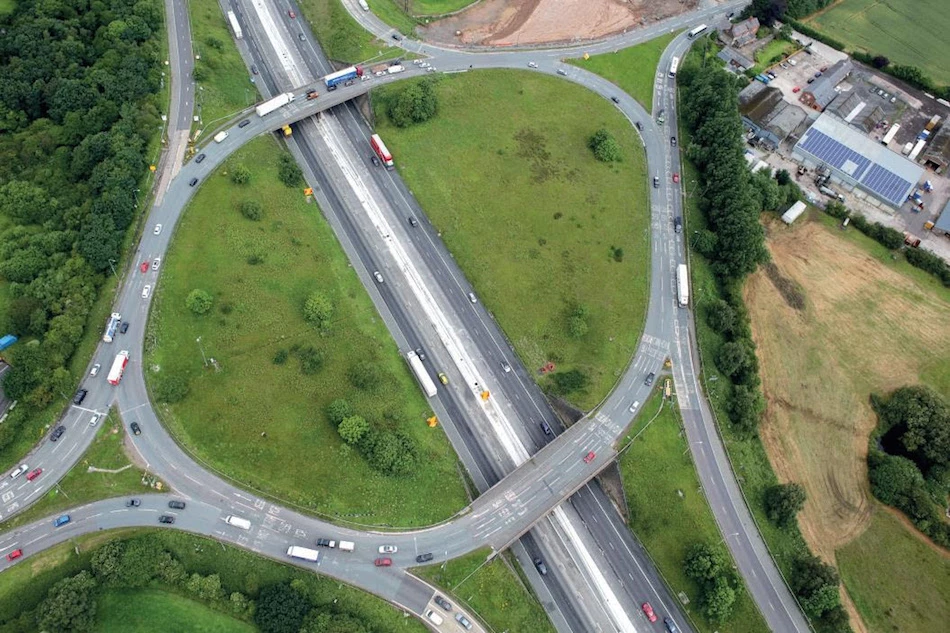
793 212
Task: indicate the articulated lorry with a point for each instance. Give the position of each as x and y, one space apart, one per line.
341 76
276 103
421 375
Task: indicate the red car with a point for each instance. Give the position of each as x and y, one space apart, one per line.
796 89
648 611
589 457
34 474
676 177
292 14
15 554
383 562
144 267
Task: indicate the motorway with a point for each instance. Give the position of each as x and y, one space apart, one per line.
530 491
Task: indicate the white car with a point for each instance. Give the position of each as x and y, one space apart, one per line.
156 263
633 407
532 65
19 471
388 549
95 369
379 277
506 366
146 291
94 420
158 229
471 297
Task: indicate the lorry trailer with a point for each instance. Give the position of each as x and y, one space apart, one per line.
276 103
303 553
111 326
340 76
682 285
425 381
380 148
118 367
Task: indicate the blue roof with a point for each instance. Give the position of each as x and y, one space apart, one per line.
943 222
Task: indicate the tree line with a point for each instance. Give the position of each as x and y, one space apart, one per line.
76 116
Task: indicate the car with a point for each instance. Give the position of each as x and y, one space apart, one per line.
57 433
15 554
167 519
463 621
649 379
133 503
471 297
94 420
532 65
292 14
561 71
395 36
676 177
413 221
200 157
810 80
823 69
434 617
589 457
546 428
143 267
244 123
383 562
615 99
325 542
95 369
19 471
36 472
443 378
506 367
136 429
379 277
817 74
634 406
192 182
146 291
254 70
677 224
80 396
670 625
639 126
375 160
420 353
672 140
784 65
301 37
442 602
156 263
648 611
656 182
424 558
157 229
796 89
175 504
770 75
541 567
63 520
124 327
388 549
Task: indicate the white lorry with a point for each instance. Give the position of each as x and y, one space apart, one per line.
276 103
682 285
347 546
237 522
303 553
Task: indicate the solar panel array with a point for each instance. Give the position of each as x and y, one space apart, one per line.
872 176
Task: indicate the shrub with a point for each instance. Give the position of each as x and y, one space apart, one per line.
605 147
252 210
199 301
415 103
288 171
281 357
171 388
240 174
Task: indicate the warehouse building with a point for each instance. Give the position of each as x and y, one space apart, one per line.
819 94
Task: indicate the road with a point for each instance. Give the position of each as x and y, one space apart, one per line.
603 428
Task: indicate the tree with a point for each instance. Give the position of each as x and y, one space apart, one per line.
70 605
280 609
199 301
721 316
783 502
172 387
364 375
745 407
893 477
252 210
106 561
311 360
732 358
415 103
338 410
577 325
353 428
318 309
605 147
815 584
921 419
718 599
704 562
569 381
880 61
782 177
288 172
240 174
785 32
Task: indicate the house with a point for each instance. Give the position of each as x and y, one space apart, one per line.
819 94
736 62
743 33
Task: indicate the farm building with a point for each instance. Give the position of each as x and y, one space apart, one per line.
742 33
937 154
819 94
793 212
856 161
858 112
736 62
942 225
770 118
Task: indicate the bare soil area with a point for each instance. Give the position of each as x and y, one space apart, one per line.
832 324
524 22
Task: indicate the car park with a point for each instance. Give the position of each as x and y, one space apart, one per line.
95 369
94 420
175 504
589 457
80 396
36 472
244 123
157 229
383 562
648 611
649 379
146 291
136 429
442 602
15 554
19 471
388 549
124 327
463 621
424 558
166 519
63 520
57 433
379 277
200 157
133 503
541 567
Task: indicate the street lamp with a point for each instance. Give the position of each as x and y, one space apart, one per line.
112 266
198 340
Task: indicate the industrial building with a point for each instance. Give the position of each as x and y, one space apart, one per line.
819 94
736 62
937 153
857 162
942 225
771 119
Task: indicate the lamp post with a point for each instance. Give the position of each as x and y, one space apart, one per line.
112 266
205 360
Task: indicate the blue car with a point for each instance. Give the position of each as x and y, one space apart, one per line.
63 520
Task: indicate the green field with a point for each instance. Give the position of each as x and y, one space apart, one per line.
532 217
226 87
765 55
909 32
897 582
668 511
260 274
633 69
343 39
156 611
495 593
81 486
7 6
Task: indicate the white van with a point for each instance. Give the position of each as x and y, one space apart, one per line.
363 5
238 522
347 546
220 136
434 617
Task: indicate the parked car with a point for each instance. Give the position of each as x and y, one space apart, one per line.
648 611
383 562
463 621
167 519
175 504
63 520
424 558
796 89
80 396
95 369
36 472
589 457
442 602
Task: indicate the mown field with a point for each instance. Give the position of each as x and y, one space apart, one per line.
532 218
261 422
156 611
343 39
910 32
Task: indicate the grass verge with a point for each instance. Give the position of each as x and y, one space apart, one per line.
494 592
343 39
668 510
533 219
262 421
633 69
80 485
156 611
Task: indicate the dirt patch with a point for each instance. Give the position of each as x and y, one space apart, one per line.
857 624
525 22
855 327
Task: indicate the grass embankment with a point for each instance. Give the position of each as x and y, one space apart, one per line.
897 581
633 69
260 274
910 32
343 39
223 83
495 592
668 511
532 218
155 611
81 486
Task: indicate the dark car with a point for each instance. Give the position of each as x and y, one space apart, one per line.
57 433
649 379
166 518
192 182
254 69
424 558
199 158
324 542
442 602
670 625
546 428
331 88
80 396
174 504
639 126
421 354
133 503
395 36
301 37
615 99
136 429
542 568
375 160
678 224
124 327
413 221
244 123
672 140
